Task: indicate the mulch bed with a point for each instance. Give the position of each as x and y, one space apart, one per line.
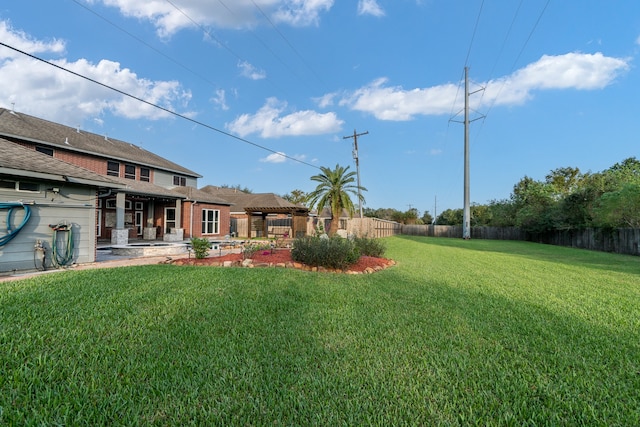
282 258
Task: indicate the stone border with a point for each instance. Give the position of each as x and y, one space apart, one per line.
248 263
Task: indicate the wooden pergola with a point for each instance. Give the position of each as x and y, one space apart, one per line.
298 214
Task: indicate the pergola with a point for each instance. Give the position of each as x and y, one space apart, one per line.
298 214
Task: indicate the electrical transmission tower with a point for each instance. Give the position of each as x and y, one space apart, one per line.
466 212
355 157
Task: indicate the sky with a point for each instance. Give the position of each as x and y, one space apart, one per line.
262 93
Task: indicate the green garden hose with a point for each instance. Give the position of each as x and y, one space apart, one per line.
62 257
11 233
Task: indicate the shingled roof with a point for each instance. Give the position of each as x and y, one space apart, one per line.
193 194
29 128
22 162
261 202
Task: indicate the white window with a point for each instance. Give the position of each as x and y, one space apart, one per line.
210 221
111 204
20 186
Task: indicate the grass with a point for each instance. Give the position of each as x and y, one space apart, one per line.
458 333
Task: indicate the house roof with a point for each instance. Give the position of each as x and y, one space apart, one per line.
33 129
193 194
23 162
142 188
261 202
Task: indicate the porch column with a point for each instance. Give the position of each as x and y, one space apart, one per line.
178 213
149 232
119 234
249 225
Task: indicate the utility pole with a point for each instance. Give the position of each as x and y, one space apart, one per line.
355 157
466 212
435 208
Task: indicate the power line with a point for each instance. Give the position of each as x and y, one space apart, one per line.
473 36
515 62
287 41
208 34
246 141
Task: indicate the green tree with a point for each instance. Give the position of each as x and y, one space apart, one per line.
450 217
410 216
297 197
333 191
534 202
427 218
619 208
564 181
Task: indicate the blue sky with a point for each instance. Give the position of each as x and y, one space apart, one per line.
556 82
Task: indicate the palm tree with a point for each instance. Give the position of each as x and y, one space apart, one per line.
333 192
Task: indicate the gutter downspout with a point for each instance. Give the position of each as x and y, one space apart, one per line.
191 219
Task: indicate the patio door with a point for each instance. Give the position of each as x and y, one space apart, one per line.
138 222
98 222
169 219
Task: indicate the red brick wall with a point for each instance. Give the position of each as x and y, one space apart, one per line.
225 219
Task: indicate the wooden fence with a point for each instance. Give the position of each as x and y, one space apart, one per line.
453 231
620 240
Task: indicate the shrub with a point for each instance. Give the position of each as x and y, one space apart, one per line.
370 246
334 252
249 250
200 247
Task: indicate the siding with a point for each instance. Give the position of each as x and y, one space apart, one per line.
74 204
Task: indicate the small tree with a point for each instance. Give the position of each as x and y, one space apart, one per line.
333 192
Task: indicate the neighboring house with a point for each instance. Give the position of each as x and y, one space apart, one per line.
147 204
47 210
268 214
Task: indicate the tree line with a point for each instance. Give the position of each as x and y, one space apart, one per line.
566 199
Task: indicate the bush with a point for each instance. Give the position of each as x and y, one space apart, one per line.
252 248
200 247
370 246
334 252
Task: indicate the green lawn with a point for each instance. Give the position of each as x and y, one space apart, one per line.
458 333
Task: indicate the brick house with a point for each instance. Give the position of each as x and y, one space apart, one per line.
155 199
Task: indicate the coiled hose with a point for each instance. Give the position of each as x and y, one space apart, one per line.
11 233
64 257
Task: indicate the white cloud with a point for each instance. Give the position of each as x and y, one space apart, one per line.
301 13
269 122
325 100
570 71
220 99
278 157
22 41
169 19
44 90
249 71
395 103
370 7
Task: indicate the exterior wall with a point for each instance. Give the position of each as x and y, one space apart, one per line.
165 179
192 216
74 205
